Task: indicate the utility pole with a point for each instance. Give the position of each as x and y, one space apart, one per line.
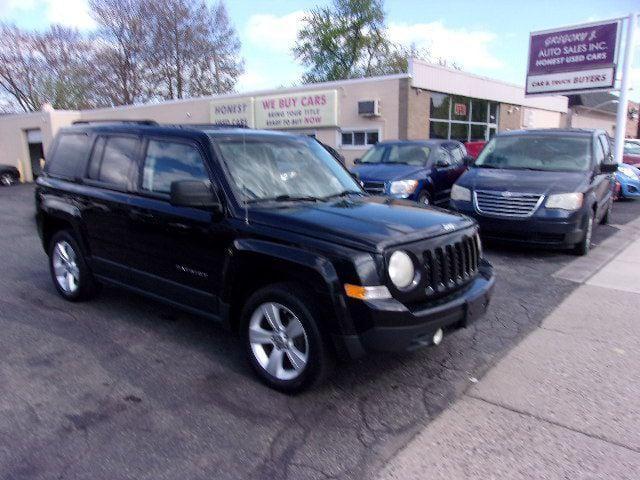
621 118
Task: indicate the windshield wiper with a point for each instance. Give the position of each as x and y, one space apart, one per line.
342 194
285 198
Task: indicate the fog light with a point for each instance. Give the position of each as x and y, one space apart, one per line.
437 337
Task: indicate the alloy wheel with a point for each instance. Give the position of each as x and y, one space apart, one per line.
6 179
65 267
278 341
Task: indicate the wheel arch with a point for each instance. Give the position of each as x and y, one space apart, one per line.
257 263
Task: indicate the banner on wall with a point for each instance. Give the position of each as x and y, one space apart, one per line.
232 112
572 59
297 110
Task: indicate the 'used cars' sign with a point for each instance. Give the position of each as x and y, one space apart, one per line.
297 110
232 112
573 59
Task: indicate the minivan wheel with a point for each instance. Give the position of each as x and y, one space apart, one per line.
283 340
424 199
607 215
583 247
69 271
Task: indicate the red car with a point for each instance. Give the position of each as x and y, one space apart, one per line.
631 152
474 148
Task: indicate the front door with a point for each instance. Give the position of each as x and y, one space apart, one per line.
178 251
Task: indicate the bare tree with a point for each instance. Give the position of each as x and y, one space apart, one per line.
120 57
45 67
194 50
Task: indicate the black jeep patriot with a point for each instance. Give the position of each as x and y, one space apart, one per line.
264 232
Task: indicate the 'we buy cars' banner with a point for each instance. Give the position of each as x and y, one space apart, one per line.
572 59
308 109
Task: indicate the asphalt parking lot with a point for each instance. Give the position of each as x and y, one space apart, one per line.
122 387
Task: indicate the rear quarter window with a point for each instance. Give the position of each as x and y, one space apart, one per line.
69 156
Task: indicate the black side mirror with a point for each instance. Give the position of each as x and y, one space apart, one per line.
608 167
194 193
357 161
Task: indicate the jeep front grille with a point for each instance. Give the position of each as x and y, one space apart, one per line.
451 266
374 188
506 204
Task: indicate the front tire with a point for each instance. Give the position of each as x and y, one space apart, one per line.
607 216
283 338
424 198
583 247
69 271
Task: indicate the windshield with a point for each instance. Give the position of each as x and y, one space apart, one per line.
553 153
404 154
283 169
631 148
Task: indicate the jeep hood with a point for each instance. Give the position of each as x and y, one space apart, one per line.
369 223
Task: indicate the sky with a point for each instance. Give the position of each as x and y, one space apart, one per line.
488 37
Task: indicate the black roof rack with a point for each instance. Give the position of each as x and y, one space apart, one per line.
212 125
137 122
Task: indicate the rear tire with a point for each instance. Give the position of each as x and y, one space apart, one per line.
583 247
7 179
283 339
69 270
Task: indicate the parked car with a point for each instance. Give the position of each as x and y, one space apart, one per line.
631 152
540 186
334 153
264 232
422 171
628 177
9 175
474 148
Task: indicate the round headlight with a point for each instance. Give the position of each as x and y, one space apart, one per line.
401 269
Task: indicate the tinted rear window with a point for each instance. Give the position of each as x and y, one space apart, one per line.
113 159
72 150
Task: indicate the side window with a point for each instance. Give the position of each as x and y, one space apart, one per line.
599 153
167 162
456 155
71 152
112 160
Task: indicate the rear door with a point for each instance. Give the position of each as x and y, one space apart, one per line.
105 202
178 251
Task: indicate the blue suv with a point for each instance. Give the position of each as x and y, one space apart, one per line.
422 171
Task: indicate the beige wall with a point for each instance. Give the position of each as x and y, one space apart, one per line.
509 117
582 118
13 138
415 114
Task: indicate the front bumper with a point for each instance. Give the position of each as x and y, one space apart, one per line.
630 189
556 228
395 327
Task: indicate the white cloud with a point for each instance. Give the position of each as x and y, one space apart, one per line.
471 49
71 13
270 32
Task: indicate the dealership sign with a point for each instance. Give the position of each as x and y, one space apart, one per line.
297 110
232 112
573 59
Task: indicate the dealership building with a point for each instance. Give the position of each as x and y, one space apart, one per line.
350 115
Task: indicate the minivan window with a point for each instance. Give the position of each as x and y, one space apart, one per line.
553 153
167 162
72 150
408 154
374 155
115 164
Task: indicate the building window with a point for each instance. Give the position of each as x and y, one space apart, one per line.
462 118
359 138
